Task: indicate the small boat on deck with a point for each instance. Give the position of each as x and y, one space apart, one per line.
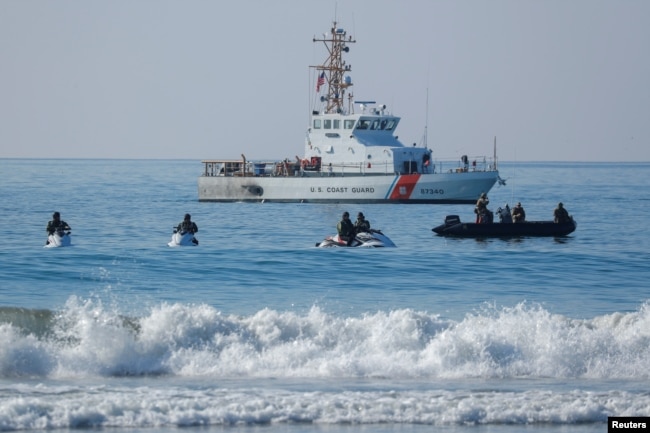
453 227
351 154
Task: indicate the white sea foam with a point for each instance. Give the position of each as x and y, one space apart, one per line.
89 340
105 406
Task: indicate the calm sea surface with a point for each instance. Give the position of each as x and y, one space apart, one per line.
257 330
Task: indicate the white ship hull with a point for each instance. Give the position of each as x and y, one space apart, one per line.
439 188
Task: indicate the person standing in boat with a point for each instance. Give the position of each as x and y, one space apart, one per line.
426 161
465 161
483 214
361 224
345 229
518 213
57 224
560 214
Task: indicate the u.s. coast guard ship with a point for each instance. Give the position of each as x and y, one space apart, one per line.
351 155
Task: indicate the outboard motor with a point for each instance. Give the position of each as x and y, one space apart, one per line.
452 220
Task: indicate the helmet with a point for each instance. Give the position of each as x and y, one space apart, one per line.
56 215
360 215
188 216
483 195
560 204
346 214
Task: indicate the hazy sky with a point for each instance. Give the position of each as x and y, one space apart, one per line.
553 80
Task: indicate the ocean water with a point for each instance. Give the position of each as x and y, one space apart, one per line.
257 330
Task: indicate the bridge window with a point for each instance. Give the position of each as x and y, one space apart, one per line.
363 124
348 124
317 123
328 123
390 124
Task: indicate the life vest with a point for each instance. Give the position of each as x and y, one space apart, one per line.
188 226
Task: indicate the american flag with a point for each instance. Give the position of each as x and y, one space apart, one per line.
321 81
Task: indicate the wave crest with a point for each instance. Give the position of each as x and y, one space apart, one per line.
87 339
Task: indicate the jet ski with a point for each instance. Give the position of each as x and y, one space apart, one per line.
371 239
183 239
59 238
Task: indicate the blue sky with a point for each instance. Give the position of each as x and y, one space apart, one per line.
553 80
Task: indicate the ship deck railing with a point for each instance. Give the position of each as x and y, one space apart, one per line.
290 168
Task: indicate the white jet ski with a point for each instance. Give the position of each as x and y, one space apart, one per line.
183 239
58 239
371 239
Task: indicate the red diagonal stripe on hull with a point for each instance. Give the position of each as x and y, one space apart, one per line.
404 187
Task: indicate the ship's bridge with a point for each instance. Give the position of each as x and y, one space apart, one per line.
376 131
368 130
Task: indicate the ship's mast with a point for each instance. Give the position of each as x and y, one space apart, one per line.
334 67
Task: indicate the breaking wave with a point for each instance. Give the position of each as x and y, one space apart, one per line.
85 339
